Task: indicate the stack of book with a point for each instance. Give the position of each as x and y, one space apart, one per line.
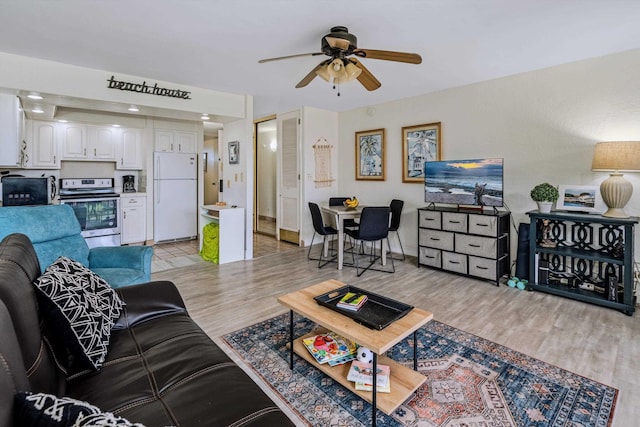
362 374
331 348
352 301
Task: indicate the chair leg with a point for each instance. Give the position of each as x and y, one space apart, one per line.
311 246
329 258
401 248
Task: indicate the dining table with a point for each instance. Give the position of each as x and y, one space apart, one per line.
338 214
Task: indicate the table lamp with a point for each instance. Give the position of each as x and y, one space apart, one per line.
617 157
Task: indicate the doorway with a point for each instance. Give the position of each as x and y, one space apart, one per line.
266 147
210 166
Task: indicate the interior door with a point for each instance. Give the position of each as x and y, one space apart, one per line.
288 183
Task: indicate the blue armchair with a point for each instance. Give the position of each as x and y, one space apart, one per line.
54 231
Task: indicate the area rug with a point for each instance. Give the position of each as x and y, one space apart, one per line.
471 382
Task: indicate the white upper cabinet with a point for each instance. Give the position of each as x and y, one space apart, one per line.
102 142
11 117
41 151
175 141
130 150
73 138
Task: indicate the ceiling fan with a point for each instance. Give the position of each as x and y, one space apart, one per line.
343 65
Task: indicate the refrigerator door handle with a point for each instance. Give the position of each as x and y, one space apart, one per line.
157 191
157 168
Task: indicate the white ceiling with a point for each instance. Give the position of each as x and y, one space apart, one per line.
216 44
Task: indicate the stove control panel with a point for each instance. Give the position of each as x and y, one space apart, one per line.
88 183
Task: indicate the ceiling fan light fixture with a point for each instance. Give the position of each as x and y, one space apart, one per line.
324 73
337 71
353 71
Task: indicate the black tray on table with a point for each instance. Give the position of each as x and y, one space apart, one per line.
377 312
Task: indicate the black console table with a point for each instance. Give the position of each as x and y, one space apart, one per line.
584 257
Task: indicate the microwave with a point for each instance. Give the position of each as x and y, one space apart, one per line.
20 191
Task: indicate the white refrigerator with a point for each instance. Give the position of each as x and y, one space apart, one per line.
175 196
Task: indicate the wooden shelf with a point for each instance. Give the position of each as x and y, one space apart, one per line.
404 381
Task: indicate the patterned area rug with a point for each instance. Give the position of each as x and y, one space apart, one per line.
471 382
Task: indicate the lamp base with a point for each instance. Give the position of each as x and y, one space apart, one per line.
616 192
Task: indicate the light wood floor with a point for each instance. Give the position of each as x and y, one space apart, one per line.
595 342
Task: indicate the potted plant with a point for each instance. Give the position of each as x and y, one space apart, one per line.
544 194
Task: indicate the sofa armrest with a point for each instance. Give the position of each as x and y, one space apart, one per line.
147 301
136 257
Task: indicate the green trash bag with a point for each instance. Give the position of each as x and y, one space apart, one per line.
211 243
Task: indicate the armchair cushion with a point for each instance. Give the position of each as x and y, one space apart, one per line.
55 231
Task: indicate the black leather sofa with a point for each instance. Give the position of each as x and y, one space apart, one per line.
161 369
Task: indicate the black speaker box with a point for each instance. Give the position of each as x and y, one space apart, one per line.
522 257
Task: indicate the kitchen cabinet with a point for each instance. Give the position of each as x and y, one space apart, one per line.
469 242
73 139
102 142
133 223
585 257
88 142
41 151
174 141
230 233
11 125
130 149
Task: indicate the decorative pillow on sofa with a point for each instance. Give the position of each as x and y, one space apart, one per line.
44 410
81 307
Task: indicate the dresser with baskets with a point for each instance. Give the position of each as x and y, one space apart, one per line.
469 242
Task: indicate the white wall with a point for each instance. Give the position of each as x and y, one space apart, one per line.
544 124
317 126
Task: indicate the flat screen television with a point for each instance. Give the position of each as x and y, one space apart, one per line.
474 182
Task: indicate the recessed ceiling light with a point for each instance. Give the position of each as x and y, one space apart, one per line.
133 108
37 110
204 116
116 125
63 121
34 95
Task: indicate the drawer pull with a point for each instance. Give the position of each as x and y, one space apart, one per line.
481 268
454 262
473 245
430 257
435 239
454 222
482 225
430 219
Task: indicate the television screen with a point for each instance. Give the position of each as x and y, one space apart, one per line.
476 182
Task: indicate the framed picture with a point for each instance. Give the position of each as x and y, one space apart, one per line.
234 152
370 155
420 143
584 198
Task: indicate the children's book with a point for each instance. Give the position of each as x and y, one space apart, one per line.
330 348
361 372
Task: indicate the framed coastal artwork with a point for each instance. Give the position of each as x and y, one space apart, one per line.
584 198
420 144
370 155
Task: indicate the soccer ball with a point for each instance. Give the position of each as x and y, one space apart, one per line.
365 355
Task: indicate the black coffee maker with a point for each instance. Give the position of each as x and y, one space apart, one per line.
129 183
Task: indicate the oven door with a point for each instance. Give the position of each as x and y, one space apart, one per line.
97 216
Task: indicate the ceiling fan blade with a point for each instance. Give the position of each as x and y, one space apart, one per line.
388 55
312 74
366 78
335 42
289 56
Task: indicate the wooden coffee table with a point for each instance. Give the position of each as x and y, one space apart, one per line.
404 381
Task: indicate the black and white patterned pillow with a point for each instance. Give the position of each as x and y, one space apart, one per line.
82 308
47 410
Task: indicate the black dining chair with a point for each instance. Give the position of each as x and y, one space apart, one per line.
396 211
373 228
325 232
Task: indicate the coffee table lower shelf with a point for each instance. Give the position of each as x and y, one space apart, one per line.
404 381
